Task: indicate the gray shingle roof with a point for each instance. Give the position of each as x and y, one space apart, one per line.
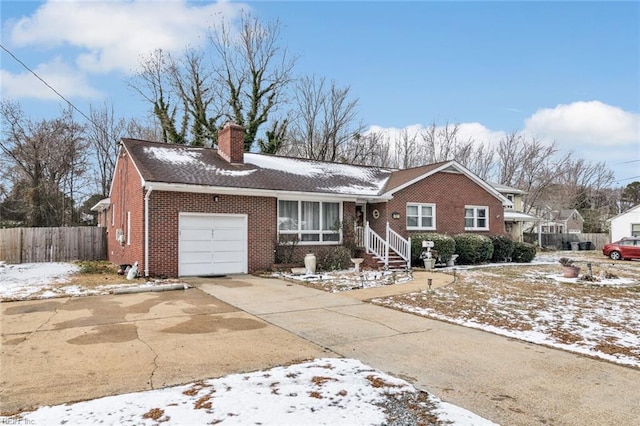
178 164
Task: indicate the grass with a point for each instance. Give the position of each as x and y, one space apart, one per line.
94 273
601 318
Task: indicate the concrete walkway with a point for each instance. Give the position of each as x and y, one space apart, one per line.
507 381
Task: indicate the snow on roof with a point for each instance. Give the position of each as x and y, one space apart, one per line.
519 216
310 168
179 156
366 180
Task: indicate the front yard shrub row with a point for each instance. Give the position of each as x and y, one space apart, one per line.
523 252
473 248
333 258
444 246
502 248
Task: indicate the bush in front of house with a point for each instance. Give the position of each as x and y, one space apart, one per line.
443 244
335 258
523 252
473 248
502 248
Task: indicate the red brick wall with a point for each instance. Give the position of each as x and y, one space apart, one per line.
450 192
164 209
231 143
379 225
127 195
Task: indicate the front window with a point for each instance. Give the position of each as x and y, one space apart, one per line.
635 229
309 221
476 218
421 216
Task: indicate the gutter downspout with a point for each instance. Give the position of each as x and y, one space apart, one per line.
146 231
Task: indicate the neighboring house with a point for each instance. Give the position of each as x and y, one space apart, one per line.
626 224
102 209
568 221
515 220
180 210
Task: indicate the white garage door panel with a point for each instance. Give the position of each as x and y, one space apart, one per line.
197 257
198 246
212 245
226 234
227 257
197 234
229 246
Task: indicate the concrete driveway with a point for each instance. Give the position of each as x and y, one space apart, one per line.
505 380
63 350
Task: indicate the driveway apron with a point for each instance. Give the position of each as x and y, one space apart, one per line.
505 380
64 350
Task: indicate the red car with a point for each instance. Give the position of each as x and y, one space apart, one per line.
626 248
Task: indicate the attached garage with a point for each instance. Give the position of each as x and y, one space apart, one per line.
212 244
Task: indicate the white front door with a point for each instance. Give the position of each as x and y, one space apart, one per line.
211 244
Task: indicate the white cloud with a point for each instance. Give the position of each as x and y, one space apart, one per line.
68 82
111 35
580 123
466 131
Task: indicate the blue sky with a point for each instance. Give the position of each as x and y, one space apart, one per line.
563 71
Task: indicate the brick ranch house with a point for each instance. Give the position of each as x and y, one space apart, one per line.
181 211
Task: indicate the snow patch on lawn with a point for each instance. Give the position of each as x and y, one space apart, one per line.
25 279
328 391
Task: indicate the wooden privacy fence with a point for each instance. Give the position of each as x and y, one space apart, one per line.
27 245
561 241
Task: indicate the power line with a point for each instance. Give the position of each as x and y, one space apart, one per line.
634 177
47 84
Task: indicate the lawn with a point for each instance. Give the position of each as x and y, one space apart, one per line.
535 303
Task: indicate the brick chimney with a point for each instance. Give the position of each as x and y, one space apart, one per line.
231 143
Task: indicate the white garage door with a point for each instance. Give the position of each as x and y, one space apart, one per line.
212 244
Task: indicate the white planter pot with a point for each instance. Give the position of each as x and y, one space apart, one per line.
310 263
429 263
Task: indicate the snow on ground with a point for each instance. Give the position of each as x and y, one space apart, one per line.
327 391
47 280
535 303
23 280
336 281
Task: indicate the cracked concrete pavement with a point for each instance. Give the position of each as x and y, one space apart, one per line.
69 349
508 381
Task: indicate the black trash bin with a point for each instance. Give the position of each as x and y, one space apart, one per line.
582 246
590 246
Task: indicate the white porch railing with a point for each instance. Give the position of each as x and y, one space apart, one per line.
380 247
375 244
399 245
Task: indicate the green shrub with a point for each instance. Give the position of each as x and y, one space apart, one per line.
95 267
502 248
523 252
333 258
444 245
473 248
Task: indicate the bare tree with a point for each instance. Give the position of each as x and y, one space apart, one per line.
47 160
242 76
195 86
325 122
530 165
407 152
253 73
104 132
154 84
